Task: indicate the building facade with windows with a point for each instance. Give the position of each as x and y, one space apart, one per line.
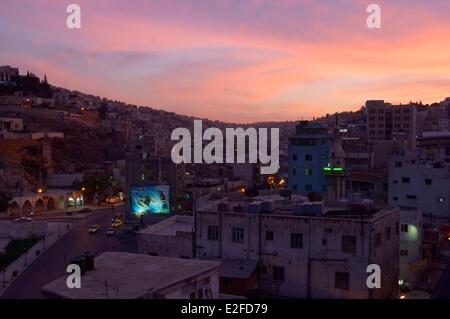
412 263
310 255
419 183
308 154
386 122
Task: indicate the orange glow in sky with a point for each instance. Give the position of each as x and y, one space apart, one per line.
235 60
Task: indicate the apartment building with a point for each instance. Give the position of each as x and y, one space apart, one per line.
308 154
411 262
420 183
304 250
7 73
386 122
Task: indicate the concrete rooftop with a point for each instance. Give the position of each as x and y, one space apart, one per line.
129 276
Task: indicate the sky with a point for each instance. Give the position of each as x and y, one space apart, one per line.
235 60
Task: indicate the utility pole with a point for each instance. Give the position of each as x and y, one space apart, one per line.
4 281
106 288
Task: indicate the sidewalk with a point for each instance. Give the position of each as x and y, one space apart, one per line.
55 232
62 213
76 212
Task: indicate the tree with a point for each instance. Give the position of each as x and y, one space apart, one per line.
97 183
4 201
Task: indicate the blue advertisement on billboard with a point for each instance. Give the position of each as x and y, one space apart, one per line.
150 199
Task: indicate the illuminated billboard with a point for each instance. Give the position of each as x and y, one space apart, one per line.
150 199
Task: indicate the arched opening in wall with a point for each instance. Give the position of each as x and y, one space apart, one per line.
14 209
51 205
39 208
61 202
27 208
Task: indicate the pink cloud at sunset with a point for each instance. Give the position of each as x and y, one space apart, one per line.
236 60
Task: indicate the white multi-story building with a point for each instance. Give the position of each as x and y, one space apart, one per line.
304 250
411 225
418 183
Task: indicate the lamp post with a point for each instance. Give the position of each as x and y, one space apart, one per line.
83 189
39 190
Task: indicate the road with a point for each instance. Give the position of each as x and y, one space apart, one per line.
52 264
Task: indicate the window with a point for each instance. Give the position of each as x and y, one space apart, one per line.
404 228
296 240
308 171
405 180
294 157
388 233
378 240
414 197
227 282
428 181
308 157
324 242
213 233
398 164
294 171
308 187
342 280
263 270
348 244
269 235
294 187
395 198
403 252
238 235
278 273
323 157
395 181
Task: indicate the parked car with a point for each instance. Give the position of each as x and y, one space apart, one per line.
94 229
